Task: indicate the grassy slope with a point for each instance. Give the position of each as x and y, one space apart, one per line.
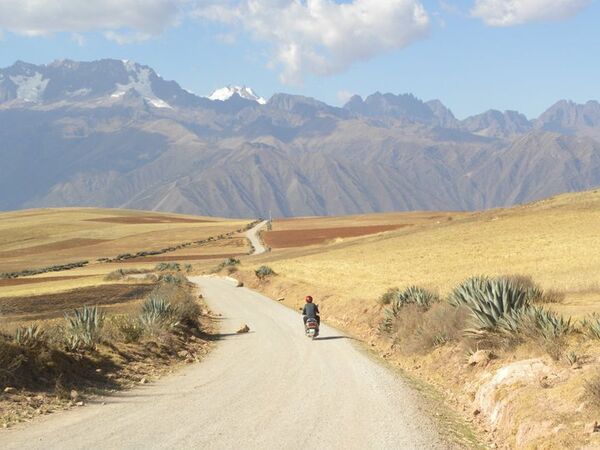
35 238
43 237
556 241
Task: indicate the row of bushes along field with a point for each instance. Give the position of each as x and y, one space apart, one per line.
143 253
54 268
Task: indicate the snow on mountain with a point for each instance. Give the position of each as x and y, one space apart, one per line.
227 92
139 80
30 88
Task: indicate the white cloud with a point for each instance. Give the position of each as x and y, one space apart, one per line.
505 13
322 36
44 17
122 38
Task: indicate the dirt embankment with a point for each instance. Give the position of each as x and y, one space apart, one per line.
518 399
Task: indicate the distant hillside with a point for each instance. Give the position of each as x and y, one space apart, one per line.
113 133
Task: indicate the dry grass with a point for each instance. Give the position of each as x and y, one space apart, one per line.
418 331
555 242
38 238
48 306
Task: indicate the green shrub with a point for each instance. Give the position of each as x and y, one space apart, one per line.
84 328
188 268
264 272
170 278
31 336
130 329
489 299
230 264
163 267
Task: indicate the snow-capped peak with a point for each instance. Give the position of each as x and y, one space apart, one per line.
139 80
227 92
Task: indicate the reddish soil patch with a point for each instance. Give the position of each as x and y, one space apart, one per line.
20 281
52 247
182 257
56 305
147 219
303 238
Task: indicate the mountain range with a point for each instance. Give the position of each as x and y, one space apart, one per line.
114 133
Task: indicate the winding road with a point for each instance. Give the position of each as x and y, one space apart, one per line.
271 388
253 235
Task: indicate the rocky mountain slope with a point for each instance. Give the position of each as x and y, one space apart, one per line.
115 134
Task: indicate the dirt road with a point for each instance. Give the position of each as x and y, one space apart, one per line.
253 235
270 389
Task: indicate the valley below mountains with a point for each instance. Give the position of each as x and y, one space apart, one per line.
113 133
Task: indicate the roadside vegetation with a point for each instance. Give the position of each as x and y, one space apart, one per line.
57 363
230 265
481 313
264 272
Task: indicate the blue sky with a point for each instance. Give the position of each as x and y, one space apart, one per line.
501 54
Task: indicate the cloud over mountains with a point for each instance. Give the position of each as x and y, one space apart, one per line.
301 37
504 13
44 17
322 36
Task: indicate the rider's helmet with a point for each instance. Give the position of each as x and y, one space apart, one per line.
308 299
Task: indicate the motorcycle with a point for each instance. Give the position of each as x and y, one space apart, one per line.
311 328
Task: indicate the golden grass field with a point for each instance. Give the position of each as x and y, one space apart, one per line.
556 241
38 238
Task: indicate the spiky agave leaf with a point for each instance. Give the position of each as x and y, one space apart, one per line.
29 336
85 327
489 299
591 326
158 313
533 322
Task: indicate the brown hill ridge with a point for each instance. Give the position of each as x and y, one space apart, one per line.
157 147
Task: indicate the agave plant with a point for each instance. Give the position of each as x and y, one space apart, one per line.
489 299
534 321
158 313
84 328
413 295
30 336
591 326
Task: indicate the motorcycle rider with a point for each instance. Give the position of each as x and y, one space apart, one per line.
311 311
